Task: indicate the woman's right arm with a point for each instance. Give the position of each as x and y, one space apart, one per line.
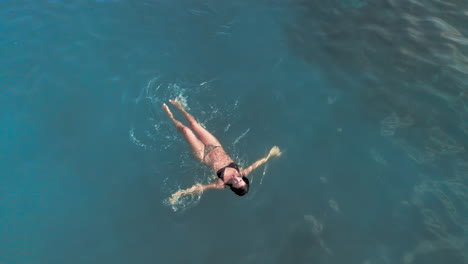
196 189
215 185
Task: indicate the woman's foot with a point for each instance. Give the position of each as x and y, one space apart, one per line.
168 111
178 105
177 123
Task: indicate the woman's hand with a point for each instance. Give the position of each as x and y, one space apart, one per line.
197 189
274 152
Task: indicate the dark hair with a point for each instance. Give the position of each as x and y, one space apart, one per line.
242 190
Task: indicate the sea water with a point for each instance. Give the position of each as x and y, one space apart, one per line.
366 99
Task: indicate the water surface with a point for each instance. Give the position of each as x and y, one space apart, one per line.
367 100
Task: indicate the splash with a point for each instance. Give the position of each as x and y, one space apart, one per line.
153 132
265 168
241 136
184 199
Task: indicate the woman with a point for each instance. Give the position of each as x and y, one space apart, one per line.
208 150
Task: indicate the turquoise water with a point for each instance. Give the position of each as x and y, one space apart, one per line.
366 99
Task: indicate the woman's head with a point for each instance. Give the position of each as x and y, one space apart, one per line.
239 185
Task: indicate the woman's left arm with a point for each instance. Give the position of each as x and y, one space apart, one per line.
274 152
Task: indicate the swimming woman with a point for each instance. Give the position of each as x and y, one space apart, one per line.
208 150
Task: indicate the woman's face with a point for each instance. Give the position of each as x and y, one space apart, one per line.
237 181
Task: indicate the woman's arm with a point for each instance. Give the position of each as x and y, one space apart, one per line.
274 152
197 189
215 185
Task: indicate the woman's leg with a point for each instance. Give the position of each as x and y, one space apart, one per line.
195 143
206 137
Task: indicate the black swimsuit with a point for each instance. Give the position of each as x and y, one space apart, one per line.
220 172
